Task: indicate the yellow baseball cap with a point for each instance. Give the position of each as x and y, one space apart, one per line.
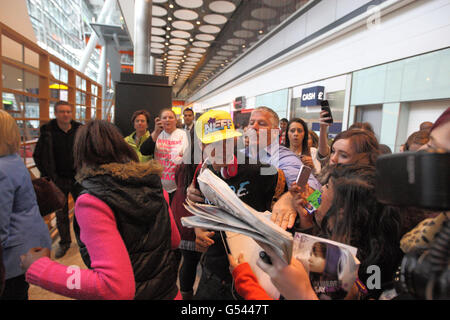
215 125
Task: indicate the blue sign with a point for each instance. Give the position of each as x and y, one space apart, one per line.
312 96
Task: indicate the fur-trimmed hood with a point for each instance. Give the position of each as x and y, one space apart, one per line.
134 189
120 171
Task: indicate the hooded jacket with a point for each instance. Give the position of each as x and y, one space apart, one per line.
134 193
137 146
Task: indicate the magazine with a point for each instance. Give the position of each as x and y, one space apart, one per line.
332 266
228 213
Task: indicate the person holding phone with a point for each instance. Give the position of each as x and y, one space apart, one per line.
147 148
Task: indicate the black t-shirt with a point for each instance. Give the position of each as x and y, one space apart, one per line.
63 149
252 188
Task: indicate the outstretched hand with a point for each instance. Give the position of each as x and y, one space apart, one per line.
291 280
32 255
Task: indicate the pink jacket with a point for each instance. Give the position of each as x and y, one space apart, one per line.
111 276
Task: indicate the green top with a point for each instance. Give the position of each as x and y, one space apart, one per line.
130 140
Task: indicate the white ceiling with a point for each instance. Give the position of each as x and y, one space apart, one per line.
193 40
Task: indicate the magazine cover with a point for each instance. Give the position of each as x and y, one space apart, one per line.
332 266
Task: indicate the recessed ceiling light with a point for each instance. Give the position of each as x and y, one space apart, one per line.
171 6
198 22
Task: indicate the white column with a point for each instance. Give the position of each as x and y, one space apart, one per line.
142 35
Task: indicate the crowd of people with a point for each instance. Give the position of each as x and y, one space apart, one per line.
129 195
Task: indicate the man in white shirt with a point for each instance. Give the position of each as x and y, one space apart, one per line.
188 116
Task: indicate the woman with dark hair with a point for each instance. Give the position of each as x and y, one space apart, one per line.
125 223
297 136
350 214
140 120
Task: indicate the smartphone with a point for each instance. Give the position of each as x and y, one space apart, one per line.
326 107
303 176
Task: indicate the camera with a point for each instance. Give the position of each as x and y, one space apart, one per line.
420 180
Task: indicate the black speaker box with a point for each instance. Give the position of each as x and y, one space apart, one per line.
139 91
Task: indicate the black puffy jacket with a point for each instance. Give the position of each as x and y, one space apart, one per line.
134 193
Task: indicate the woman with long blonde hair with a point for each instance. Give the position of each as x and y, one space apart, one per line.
21 224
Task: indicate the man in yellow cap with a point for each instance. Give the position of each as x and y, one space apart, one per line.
216 131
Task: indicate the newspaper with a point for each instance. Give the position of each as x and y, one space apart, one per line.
229 213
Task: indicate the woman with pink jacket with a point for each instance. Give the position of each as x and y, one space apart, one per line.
125 222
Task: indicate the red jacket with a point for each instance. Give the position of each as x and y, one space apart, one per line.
247 284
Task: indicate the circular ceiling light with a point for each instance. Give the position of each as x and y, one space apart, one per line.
157 39
209 29
252 24
195 55
159 1
224 53
158 22
180 34
173 57
157 51
156 45
204 37
184 14
219 58
243 34
192 63
215 19
158 11
192 59
176 53
158 31
178 41
264 13
191 4
177 47
236 42
182 25
222 6
198 50
201 44
230 48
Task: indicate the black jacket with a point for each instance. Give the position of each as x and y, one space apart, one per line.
134 193
43 153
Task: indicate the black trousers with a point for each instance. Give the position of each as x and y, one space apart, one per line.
67 185
188 270
16 289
